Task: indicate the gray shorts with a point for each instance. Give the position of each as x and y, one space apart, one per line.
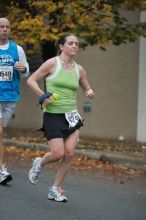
6 112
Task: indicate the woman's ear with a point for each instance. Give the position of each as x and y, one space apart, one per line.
61 47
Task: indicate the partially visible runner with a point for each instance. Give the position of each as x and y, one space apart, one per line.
61 120
13 65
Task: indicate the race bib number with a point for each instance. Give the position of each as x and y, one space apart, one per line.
72 118
6 73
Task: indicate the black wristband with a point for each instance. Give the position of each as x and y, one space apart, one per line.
44 96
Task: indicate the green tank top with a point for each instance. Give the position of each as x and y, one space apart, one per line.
65 83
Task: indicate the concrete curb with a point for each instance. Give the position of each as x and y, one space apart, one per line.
136 162
111 157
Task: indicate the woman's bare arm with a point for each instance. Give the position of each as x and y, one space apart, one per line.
46 68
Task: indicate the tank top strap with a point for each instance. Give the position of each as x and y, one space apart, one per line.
58 63
77 70
58 67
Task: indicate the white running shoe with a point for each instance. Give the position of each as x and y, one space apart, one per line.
4 176
35 171
57 195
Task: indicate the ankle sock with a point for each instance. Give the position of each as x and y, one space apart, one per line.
54 187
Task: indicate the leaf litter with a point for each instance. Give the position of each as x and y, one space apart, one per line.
80 163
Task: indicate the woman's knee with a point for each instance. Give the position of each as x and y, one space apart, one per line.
57 154
69 154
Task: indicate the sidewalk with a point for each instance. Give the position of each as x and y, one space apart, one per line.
112 157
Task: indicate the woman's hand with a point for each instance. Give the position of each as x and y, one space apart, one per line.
89 93
47 102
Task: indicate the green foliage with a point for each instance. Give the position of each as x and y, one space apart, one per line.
95 21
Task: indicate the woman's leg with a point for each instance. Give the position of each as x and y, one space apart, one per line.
57 152
69 146
56 146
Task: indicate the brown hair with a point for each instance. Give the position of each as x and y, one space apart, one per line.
62 41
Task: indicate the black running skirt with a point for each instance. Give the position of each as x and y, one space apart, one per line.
56 126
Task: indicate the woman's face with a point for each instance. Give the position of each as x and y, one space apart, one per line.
71 46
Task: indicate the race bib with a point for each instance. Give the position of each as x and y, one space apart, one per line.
72 118
6 73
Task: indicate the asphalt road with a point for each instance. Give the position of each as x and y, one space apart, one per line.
91 196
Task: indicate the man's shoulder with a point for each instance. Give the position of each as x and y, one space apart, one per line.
12 42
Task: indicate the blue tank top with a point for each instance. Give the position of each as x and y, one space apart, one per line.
9 78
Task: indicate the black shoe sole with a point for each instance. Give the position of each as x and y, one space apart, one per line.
5 181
